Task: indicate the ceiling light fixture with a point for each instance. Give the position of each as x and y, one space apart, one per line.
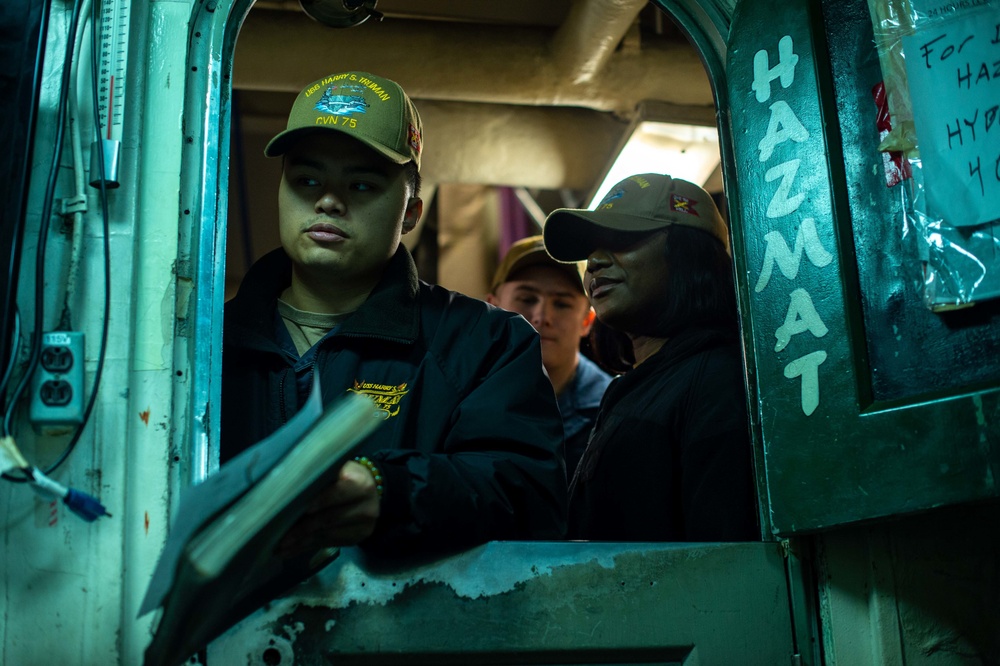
687 151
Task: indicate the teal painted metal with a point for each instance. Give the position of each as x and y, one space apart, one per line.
532 603
954 350
831 455
802 598
204 201
707 25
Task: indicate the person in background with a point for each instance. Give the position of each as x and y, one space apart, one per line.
670 458
469 450
551 297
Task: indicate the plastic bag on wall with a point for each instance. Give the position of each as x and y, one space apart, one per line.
940 133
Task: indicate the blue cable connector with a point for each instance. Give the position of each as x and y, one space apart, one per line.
84 505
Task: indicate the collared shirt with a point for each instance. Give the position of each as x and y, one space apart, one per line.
578 405
298 333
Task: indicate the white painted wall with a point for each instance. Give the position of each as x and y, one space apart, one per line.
71 589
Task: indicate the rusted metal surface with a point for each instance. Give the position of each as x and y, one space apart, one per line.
528 602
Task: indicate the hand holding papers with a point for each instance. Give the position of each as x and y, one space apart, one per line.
218 564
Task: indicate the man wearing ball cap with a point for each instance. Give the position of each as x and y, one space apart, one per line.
669 458
550 295
468 450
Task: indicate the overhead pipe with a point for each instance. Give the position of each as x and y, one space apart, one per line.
585 42
437 60
487 143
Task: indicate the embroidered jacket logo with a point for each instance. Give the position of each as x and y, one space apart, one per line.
385 397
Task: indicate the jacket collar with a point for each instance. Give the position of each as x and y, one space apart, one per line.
391 311
691 341
589 384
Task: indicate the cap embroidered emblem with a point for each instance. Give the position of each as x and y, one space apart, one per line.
413 138
611 197
681 204
342 105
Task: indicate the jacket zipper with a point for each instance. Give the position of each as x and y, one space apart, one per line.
281 386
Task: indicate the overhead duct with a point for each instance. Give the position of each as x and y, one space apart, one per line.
439 60
493 144
585 42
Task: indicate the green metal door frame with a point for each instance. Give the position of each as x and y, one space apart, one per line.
833 453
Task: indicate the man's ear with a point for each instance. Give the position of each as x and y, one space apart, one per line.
492 300
588 321
414 209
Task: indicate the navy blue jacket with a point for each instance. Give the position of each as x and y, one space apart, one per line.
470 449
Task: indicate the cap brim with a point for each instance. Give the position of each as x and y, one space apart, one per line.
538 258
571 234
282 141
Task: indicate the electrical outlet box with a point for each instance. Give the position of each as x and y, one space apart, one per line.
57 387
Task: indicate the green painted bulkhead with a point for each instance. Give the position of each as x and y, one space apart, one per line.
869 404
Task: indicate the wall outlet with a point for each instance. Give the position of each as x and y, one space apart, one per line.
57 387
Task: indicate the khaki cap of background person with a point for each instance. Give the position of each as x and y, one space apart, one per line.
372 109
530 251
644 202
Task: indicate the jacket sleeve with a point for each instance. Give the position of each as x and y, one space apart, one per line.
498 472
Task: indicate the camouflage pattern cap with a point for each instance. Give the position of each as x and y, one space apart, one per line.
372 109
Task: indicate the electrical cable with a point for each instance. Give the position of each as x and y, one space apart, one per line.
105 219
15 346
78 201
83 504
46 219
102 353
17 235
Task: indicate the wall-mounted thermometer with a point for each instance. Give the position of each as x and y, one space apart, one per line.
113 33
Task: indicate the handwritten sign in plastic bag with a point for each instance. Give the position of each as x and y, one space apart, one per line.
953 69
